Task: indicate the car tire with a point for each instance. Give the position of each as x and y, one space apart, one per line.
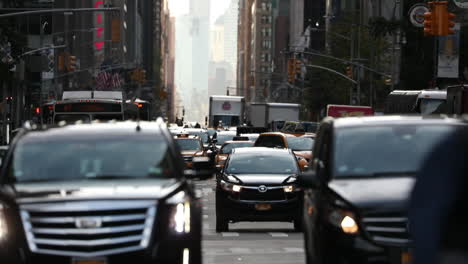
222 224
297 225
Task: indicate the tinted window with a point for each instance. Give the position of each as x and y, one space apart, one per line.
189 144
262 164
91 158
270 142
301 143
227 149
222 138
368 151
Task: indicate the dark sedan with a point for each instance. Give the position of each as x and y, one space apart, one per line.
258 184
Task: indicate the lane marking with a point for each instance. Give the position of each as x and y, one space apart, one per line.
230 234
205 216
240 250
294 250
273 234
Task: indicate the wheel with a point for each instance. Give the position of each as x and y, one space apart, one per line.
222 224
297 225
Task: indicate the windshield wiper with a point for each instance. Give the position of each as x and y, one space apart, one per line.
112 177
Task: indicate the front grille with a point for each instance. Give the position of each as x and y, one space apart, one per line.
388 229
188 158
253 194
88 228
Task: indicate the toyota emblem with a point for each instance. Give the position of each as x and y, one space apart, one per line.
262 189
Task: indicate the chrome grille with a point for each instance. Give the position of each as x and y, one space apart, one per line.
251 193
388 229
188 158
88 228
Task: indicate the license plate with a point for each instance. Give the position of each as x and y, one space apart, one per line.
263 207
89 261
406 257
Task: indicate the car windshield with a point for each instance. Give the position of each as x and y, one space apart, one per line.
189 144
203 135
227 149
262 164
384 150
432 106
222 138
90 158
301 143
273 141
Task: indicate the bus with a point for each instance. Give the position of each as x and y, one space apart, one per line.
144 108
92 105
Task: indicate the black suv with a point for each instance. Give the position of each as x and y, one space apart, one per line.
258 184
356 193
98 193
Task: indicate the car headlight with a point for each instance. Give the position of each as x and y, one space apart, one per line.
291 188
180 218
344 220
3 225
230 187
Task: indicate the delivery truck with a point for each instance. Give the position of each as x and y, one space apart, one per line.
264 114
227 111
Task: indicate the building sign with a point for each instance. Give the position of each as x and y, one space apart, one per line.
227 106
99 25
449 53
416 14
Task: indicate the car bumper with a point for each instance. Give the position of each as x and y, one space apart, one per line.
241 210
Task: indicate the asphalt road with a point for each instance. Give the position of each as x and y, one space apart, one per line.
247 242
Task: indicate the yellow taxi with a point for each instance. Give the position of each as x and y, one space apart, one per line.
190 146
226 150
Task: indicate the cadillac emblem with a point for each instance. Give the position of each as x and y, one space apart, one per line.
88 222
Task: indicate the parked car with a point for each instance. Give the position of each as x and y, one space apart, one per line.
99 193
357 191
258 184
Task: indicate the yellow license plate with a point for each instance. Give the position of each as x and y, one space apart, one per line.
406 258
89 261
263 207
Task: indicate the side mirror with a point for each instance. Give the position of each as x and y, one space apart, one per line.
309 179
202 169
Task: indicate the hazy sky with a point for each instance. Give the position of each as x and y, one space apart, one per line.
179 7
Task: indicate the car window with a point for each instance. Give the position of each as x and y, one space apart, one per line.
271 141
189 144
222 138
88 159
300 143
391 150
227 149
262 164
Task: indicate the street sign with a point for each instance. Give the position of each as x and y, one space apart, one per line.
461 3
449 53
416 14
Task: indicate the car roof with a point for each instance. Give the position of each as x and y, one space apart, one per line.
98 129
261 150
238 141
276 134
394 120
227 132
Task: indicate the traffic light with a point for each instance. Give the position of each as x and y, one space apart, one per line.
297 66
71 63
438 22
429 24
349 72
291 70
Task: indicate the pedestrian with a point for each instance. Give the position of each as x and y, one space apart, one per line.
438 210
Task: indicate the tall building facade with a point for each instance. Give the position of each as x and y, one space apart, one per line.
244 38
192 57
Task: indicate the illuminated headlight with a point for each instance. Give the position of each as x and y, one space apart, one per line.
290 189
345 221
181 218
230 187
3 226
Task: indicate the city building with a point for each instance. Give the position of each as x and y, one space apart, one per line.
244 38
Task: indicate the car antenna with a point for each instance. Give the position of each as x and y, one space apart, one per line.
138 127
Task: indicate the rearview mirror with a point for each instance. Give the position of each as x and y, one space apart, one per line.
202 169
308 179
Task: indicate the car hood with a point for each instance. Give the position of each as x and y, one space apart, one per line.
189 152
96 189
262 179
304 154
379 193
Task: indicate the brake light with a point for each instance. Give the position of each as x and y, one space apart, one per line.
38 110
140 105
